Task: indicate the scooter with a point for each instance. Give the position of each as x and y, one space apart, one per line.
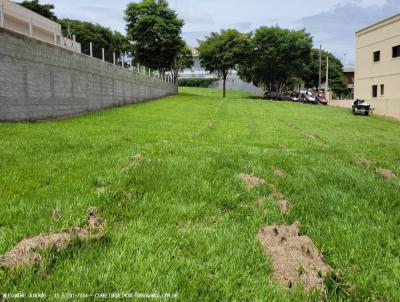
361 108
310 98
321 98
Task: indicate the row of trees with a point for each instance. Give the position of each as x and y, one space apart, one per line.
153 36
271 57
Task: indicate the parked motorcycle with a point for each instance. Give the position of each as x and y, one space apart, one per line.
321 98
360 107
294 96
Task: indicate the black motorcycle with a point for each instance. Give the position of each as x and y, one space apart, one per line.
360 107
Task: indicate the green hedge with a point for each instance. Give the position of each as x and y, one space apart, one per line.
196 82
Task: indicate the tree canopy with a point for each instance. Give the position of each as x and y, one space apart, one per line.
46 10
337 80
184 60
100 36
278 57
155 30
221 52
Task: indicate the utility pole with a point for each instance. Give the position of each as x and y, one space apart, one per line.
320 67
327 74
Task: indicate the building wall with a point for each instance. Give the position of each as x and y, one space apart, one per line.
379 37
39 80
384 107
17 18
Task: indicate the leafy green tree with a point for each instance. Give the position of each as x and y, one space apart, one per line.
222 52
278 56
184 60
100 36
46 10
155 30
337 80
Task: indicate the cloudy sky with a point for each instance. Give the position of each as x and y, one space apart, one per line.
331 22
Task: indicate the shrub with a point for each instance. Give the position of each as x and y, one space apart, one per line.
196 82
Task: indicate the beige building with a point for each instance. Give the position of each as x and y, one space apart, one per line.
19 19
377 69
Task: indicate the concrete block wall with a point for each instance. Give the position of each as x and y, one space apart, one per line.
40 80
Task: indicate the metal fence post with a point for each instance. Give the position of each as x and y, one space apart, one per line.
30 27
138 68
1 15
91 49
114 58
149 72
103 54
122 60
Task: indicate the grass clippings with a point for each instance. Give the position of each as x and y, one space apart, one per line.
295 258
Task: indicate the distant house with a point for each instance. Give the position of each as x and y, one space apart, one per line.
233 81
24 21
348 71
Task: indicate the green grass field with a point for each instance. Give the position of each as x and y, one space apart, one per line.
178 221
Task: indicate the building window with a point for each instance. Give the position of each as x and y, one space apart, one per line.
375 91
382 89
396 51
377 56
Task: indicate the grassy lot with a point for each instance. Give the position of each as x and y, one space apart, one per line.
178 221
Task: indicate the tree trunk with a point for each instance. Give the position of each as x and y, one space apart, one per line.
224 86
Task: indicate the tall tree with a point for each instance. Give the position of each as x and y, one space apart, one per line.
337 80
222 52
155 30
46 10
100 36
278 56
184 60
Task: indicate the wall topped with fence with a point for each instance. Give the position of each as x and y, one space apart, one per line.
40 80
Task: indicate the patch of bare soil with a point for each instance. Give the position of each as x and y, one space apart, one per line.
28 251
386 173
278 171
295 258
362 161
250 181
282 202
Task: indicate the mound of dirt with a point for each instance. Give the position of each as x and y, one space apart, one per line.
295 259
386 173
282 202
28 251
250 181
278 171
362 162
